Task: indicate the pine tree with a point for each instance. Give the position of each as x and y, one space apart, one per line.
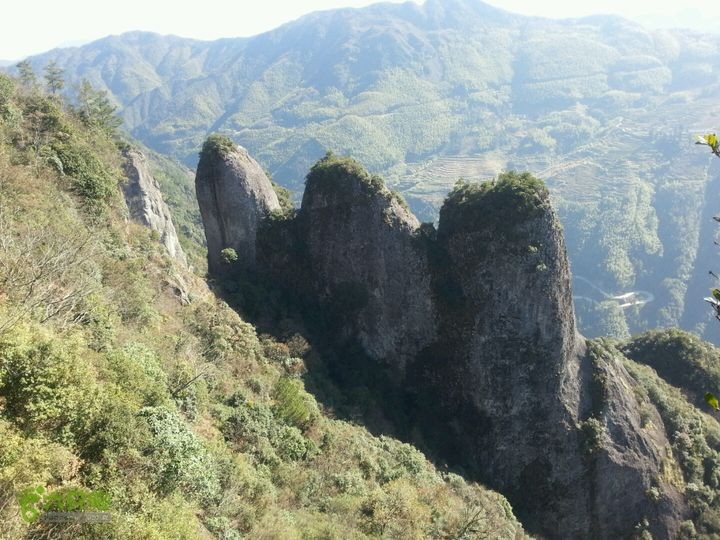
26 73
54 77
94 108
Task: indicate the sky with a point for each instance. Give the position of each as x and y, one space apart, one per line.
72 22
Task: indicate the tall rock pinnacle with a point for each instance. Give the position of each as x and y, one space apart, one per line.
518 389
471 328
146 205
365 261
234 195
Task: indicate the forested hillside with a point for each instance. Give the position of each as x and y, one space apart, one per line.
120 371
601 108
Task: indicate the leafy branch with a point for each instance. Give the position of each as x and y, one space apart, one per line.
711 141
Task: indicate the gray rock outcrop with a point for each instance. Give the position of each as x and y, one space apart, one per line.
515 365
234 195
146 204
476 323
364 258
631 468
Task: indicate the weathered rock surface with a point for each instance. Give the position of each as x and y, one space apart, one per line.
521 384
476 321
234 195
510 348
146 204
363 257
630 473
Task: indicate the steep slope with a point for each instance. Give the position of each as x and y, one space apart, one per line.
680 358
473 328
193 424
695 437
600 107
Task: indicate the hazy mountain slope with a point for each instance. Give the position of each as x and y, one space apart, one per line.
600 107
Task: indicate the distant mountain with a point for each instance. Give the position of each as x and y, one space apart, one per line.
5 63
600 107
684 18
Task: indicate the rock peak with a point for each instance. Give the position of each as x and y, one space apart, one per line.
146 204
234 195
471 328
336 181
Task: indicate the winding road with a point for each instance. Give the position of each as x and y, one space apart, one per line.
625 300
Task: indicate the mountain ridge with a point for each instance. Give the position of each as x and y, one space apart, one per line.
123 375
600 107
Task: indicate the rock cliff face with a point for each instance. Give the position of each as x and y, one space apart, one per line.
363 257
519 390
475 321
510 349
234 194
146 204
629 462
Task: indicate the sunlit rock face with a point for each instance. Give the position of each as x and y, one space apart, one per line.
146 204
234 195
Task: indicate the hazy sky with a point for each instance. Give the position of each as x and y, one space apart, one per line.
30 27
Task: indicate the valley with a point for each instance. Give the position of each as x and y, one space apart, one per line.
412 270
584 290
602 109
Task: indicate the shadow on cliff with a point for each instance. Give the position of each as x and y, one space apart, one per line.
343 378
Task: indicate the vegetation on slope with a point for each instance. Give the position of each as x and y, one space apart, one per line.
694 466
193 424
681 358
695 442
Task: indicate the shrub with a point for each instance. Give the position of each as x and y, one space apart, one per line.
179 459
7 89
592 436
47 384
90 178
254 428
222 333
500 205
217 144
229 255
292 404
335 174
284 196
680 358
137 370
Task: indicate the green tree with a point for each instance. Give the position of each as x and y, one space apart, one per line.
26 73
94 108
54 77
229 255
